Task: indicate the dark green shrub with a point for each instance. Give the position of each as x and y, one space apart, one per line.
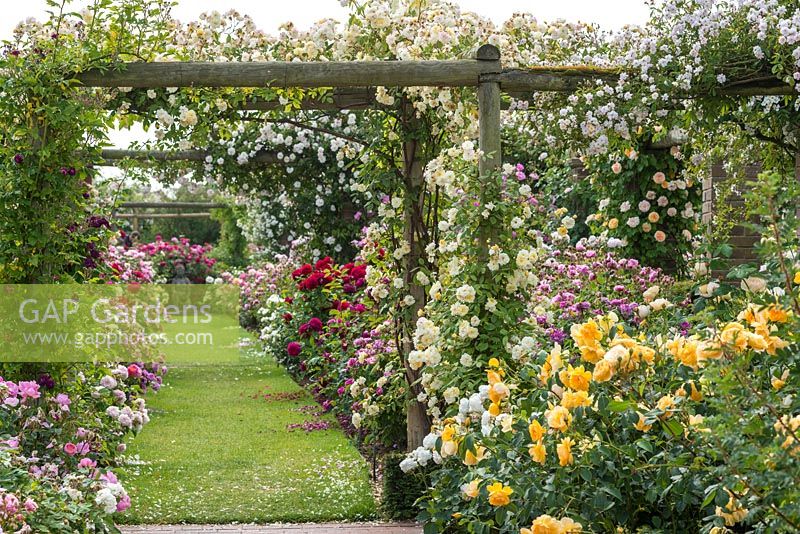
401 490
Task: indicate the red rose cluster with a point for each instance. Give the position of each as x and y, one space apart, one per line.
323 273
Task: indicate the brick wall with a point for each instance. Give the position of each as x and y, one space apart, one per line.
741 239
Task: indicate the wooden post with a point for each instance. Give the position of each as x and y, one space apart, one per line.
489 140
417 421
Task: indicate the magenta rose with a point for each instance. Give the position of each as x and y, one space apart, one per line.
294 348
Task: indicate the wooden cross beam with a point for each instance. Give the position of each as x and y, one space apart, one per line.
350 98
365 74
136 216
450 73
172 205
112 156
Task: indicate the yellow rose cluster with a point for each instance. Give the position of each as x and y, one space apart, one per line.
498 390
545 524
621 353
754 329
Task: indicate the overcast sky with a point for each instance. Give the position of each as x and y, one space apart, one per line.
269 14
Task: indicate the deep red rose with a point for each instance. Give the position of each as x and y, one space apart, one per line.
294 348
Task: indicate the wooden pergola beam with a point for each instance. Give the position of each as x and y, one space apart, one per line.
350 98
360 75
172 205
136 216
450 73
111 156
568 79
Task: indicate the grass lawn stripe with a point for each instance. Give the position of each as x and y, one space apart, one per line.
213 453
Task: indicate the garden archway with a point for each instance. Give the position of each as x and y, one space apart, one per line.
352 85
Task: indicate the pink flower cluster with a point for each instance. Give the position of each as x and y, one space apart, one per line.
130 264
15 393
166 255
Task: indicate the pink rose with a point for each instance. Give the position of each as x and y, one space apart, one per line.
30 505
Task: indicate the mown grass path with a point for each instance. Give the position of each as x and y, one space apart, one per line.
218 450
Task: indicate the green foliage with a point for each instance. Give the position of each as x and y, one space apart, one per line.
52 132
400 490
231 249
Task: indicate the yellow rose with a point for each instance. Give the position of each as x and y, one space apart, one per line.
569 526
499 494
614 223
472 489
564 450
777 315
473 459
449 448
586 334
575 399
497 392
797 277
592 353
665 404
778 383
734 334
536 430
640 425
603 371
538 452
757 342
685 351
544 524
576 378
448 433
493 377
696 395
558 418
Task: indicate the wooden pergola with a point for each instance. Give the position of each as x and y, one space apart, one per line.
353 84
135 216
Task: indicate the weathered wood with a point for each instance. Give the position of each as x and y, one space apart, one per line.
136 216
569 78
759 90
488 52
491 153
489 120
451 73
172 205
673 138
414 162
550 79
360 74
354 98
113 155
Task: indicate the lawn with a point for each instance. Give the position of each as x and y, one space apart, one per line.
218 450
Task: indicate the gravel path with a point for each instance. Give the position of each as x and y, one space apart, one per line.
305 528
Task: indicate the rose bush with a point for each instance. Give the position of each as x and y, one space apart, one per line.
165 256
61 437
